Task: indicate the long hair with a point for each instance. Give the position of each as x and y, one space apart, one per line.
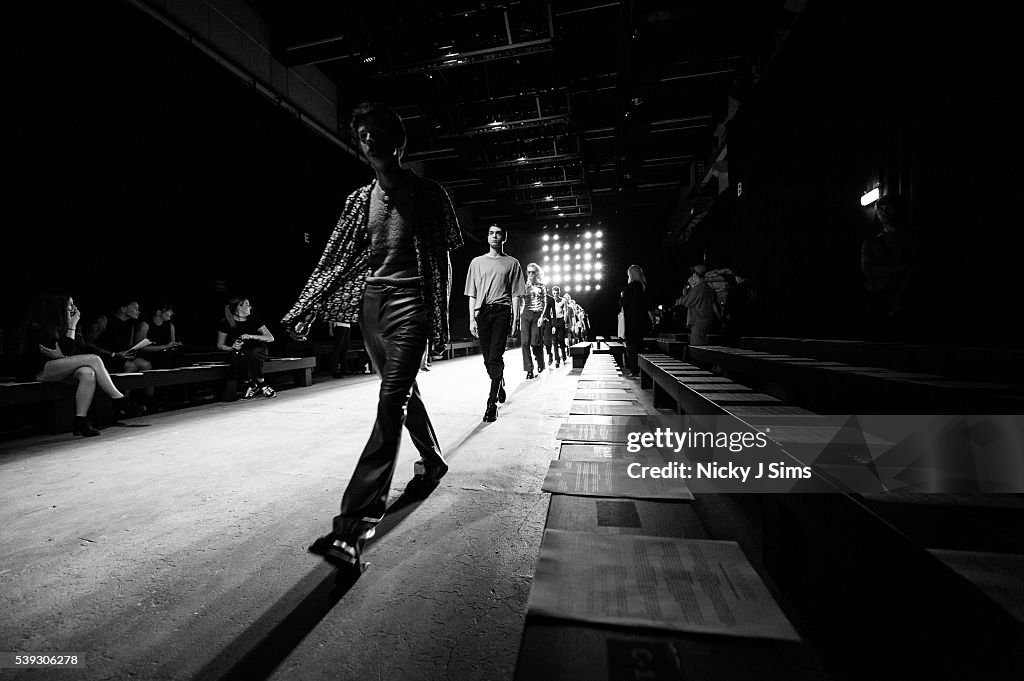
49 312
231 308
540 271
636 273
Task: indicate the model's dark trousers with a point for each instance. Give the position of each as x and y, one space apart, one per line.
547 338
493 324
395 331
559 334
530 339
248 362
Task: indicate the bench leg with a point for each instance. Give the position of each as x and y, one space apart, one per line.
662 399
61 417
303 377
229 390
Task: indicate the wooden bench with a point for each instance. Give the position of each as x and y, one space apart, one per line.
561 649
59 397
999 363
827 386
674 389
579 353
892 557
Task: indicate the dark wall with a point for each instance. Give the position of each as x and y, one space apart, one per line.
861 94
151 173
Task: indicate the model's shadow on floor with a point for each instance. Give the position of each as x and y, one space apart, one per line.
258 650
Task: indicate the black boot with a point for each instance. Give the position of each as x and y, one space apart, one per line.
83 428
492 412
501 392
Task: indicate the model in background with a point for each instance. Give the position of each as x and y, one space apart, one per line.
494 285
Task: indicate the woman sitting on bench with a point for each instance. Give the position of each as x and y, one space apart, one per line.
244 334
48 348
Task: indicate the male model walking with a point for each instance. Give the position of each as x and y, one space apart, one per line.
494 286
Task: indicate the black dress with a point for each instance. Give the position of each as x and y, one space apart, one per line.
638 323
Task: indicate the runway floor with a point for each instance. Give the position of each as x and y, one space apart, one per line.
174 546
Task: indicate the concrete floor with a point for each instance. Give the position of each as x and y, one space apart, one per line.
174 547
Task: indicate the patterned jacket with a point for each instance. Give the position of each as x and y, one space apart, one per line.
335 288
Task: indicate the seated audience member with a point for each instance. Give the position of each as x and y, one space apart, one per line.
51 352
112 336
246 336
161 333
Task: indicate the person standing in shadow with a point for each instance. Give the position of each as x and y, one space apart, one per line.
701 305
636 311
887 261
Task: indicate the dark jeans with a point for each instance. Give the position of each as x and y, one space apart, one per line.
529 337
699 334
395 331
493 324
559 339
248 362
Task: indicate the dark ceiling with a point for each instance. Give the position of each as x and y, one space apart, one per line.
534 113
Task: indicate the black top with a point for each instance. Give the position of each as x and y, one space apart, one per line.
33 359
118 335
635 307
160 335
250 325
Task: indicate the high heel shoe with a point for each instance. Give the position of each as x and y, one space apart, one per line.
83 428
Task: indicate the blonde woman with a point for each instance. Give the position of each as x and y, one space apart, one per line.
534 306
637 312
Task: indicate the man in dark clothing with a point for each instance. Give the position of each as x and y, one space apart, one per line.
886 260
494 285
386 264
701 305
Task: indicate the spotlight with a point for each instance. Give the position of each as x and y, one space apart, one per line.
545 237
566 257
598 235
577 256
587 235
870 197
586 245
597 286
586 256
555 248
544 247
587 287
546 257
555 237
597 245
578 245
